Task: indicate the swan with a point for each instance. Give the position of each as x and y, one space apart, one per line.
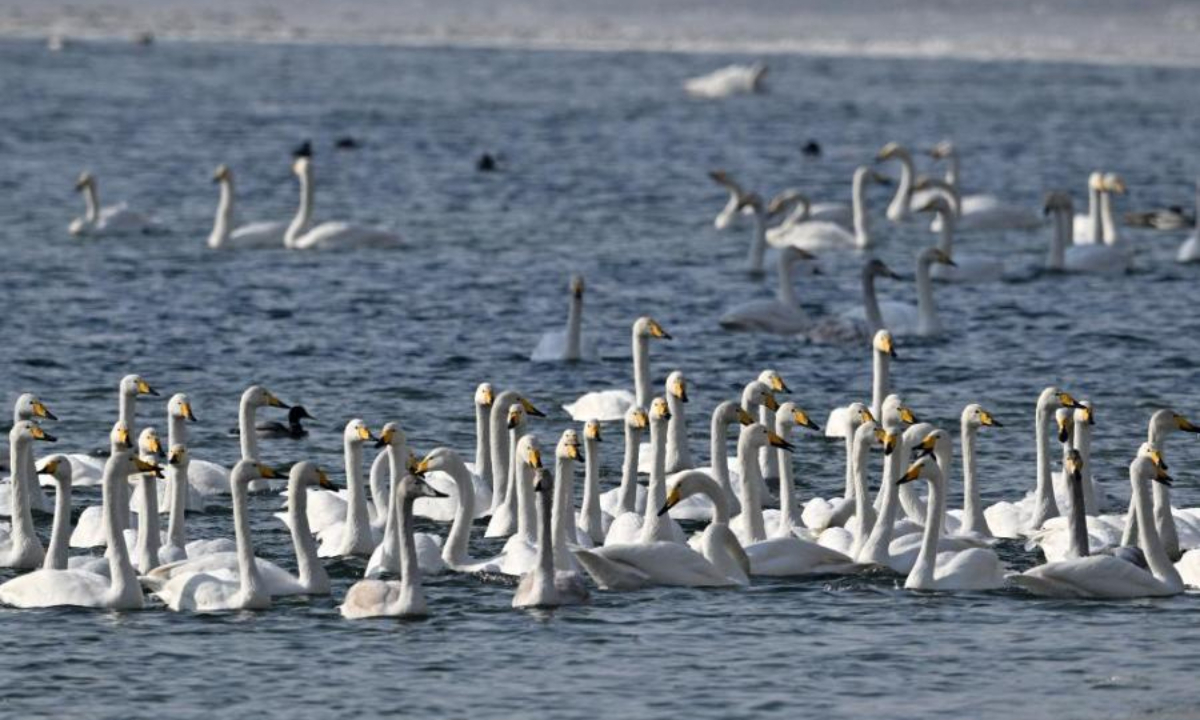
591 515
254 235
611 405
1022 518
971 569
697 506
27 407
568 345
428 547
749 525
965 268
220 590
354 535
647 527
813 235
835 212
564 526
176 547
497 439
1107 576
20 547
971 520
782 315
721 562
1162 424
311 578
59 470
1092 258
202 477
544 586
1189 251
821 513
732 79
860 323
504 518
906 196
851 522
394 598
88 469
679 455
81 588
978 211
149 536
628 496
788 417
1099 227
520 550
883 351
921 319
112 220
768 459
253 398
328 235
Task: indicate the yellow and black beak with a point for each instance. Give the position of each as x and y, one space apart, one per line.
803 420
770 403
913 472
1064 430
775 441
534 458
657 331
40 410
185 409
887 439
144 388
778 385
744 417
866 416
175 457
640 420
422 467
673 498
324 481
908 417
155 446
148 467
541 480
486 397
1089 415
574 452
273 401
591 431
39 434
48 468
1186 425
268 472
364 433
679 390
123 437
986 418
514 419
1161 476
1066 400
925 448
385 438
530 409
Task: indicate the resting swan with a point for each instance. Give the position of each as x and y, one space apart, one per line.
611 405
252 236
568 345
922 318
20 547
802 231
1098 258
782 315
27 407
328 235
112 220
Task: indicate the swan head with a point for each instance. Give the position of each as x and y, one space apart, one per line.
924 467
936 204
975 416
786 200
1074 466
757 393
790 415
1085 415
257 396
411 487
516 416
85 181
179 406
891 150
591 431
222 174
484 395
529 452
149 444
1114 184
1183 423
1053 397
677 386
118 437
774 381
757 436
248 470
859 414
930 444
1096 181
140 466
576 286
943 149
1066 424
29 407
637 419
878 268
884 343
178 456
660 412
568 447
686 484
29 430
934 255
895 413
391 434
133 385
1058 201
647 326
1147 467
300 165
730 211
357 432
57 467
309 474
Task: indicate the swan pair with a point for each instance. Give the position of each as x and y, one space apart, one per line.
101 221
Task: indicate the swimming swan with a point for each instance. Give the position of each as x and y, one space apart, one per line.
978 211
568 345
782 315
251 236
21 548
1092 258
546 585
801 231
611 405
112 220
730 80
328 235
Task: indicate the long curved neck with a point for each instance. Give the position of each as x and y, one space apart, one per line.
973 520
1164 520
149 538
787 500
60 533
785 291
653 526
575 328
562 512
383 466
177 484
410 569
1045 506
858 206
849 441
547 540
863 509
875 549
247 436
952 168
747 458
127 408
1083 443
641 368
358 521
1148 538
92 199
871 304
946 236
251 580
310 571
589 511
928 322
627 495
767 462
455 550
679 456
1056 260
177 433
881 381
500 446
758 246
921 577
304 212
898 207
24 538
526 512
483 445
224 220
124 579
717 450
1111 236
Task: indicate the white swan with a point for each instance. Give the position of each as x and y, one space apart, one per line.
979 211
649 526
251 236
59 470
201 477
811 234
906 196
546 585
921 319
218 591
781 315
1099 227
749 525
505 518
971 521
1162 424
591 514
971 569
801 207
730 80
679 454
1106 576
394 598
482 478
568 345
628 496
81 588
1098 258
87 469
788 520
720 562
253 398
175 546
499 446
328 235
611 405
883 351
1189 251
112 220
27 407
21 548
354 535
966 268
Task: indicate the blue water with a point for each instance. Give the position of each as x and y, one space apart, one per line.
603 167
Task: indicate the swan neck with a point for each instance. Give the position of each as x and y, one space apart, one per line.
24 538
880 381
247 436
858 207
627 497
410 569
1077 522
717 450
304 212
974 521
952 169
863 508
455 552
124 579
149 538
787 500
876 548
251 581
641 368
751 503
127 409
1106 216
575 328
653 526
60 533
926 308
500 446
678 456
871 304
547 535
1148 537
526 511
922 574
758 247
177 486
899 207
785 292
562 512
590 510
483 444
224 218
358 520
1097 217
92 199
946 236
1045 506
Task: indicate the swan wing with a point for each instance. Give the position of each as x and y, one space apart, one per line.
971 569
791 556
258 235
341 235
1097 576
54 588
601 405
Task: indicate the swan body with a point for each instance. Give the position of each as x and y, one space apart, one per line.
112 220
979 211
255 235
328 235
355 534
1095 258
730 80
611 405
814 234
568 344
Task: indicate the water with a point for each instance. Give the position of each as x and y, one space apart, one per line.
603 171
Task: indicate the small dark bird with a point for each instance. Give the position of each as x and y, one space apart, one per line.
811 149
486 163
291 429
347 143
304 150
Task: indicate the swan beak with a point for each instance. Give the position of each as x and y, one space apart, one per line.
744 417
148 467
778 385
48 468
123 437
422 467
913 472
886 439
673 499
657 331
925 447
1158 459
268 472
1161 476
364 433
885 344
803 420
40 410
639 420
485 397
273 401
1185 425
185 409
1064 431
1067 400
1089 415
324 481
573 452
144 388
514 419
534 458
176 457
770 403
866 416
908 417
530 409
591 431
679 390
985 418
155 446
385 438
39 434
776 441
